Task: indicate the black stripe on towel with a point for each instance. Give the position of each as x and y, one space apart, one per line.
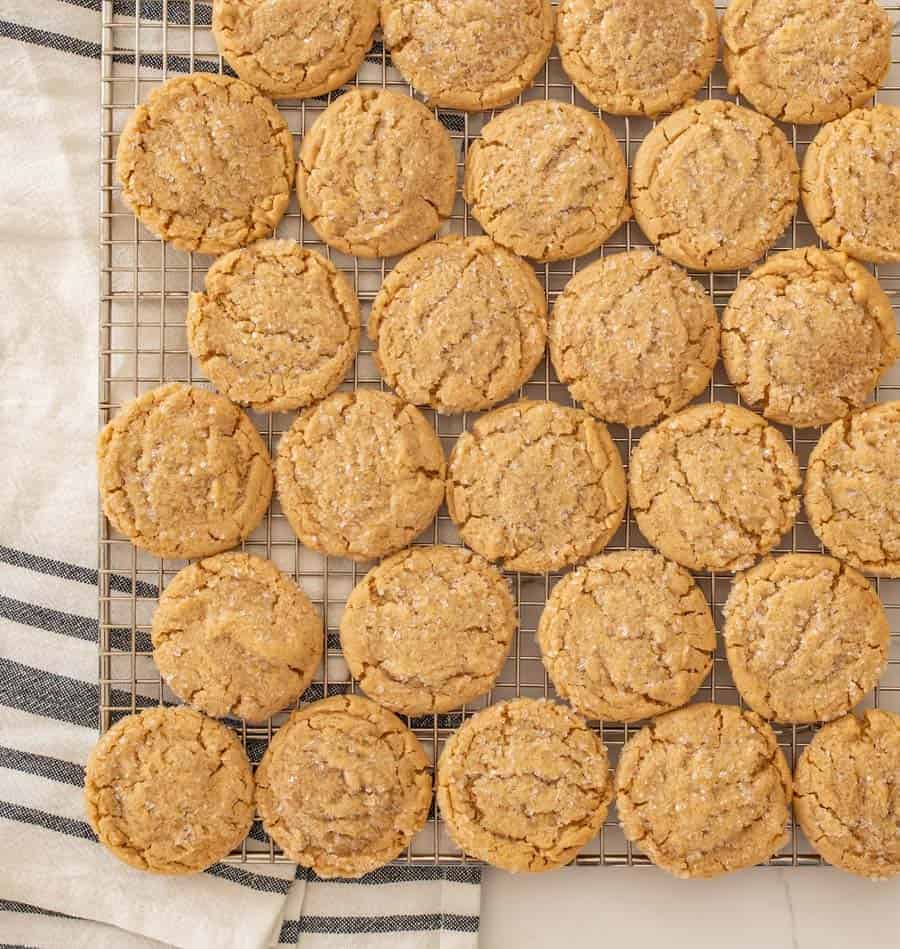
358 925
11 906
406 874
69 571
57 41
255 881
55 769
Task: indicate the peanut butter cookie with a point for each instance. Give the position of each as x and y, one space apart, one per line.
169 790
206 163
634 338
377 174
183 473
714 487
807 335
637 57
536 486
360 475
704 790
547 180
277 327
343 787
459 324
714 185
524 785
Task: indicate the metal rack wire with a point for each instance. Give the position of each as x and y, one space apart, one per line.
144 286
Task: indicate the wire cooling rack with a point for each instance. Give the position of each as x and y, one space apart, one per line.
144 287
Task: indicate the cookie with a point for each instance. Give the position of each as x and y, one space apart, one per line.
206 163
377 174
634 338
806 636
852 490
806 337
183 473
849 184
714 185
547 180
294 49
524 785
637 57
806 61
232 635
626 636
536 486
714 487
428 629
276 328
704 790
847 797
360 475
169 790
458 324
343 787
468 54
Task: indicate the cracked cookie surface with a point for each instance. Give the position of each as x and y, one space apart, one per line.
547 180
634 338
169 790
360 475
232 635
626 636
704 790
852 490
847 796
343 787
806 61
459 324
206 163
468 54
637 57
849 184
276 328
714 185
294 49
183 473
377 174
536 486
428 629
714 487
524 785
807 335
806 636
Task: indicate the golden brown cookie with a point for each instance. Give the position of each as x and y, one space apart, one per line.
637 57
169 790
183 473
807 335
547 180
377 174
704 790
232 635
849 184
206 163
459 324
524 785
634 338
468 54
847 795
806 61
852 490
343 787
807 637
714 487
294 49
277 326
536 486
714 185
428 629
626 636
360 475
